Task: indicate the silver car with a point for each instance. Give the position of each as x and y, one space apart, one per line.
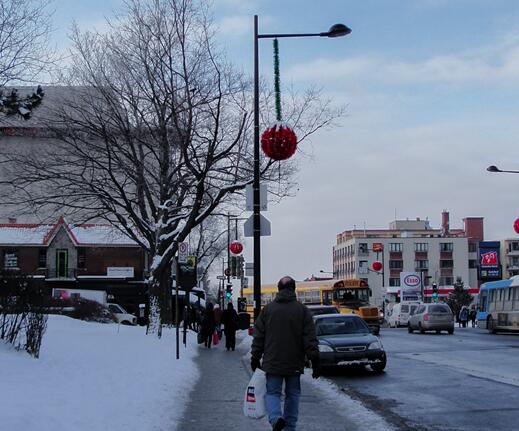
431 317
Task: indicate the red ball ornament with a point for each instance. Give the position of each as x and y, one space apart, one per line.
377 265
236 247
516 225
279 142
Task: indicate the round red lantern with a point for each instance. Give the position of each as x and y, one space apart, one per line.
377 265
279 142
236 247
516 225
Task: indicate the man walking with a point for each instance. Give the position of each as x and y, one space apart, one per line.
284 334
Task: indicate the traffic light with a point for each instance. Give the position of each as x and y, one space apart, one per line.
233 265
435 292
242 305
228 291
240 263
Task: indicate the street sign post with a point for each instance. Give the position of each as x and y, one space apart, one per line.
183 249
248 227
249 193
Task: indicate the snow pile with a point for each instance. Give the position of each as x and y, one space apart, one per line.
93 376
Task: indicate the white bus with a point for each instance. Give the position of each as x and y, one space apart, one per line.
498 308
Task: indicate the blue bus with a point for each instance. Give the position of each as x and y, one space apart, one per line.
498 308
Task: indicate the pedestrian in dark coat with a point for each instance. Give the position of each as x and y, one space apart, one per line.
208 325
230 322
472 316
284 334
464 316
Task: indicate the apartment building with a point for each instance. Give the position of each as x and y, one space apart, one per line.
510 257
439 255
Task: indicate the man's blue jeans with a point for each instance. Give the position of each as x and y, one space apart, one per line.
273 399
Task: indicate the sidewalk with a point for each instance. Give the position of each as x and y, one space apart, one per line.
217 399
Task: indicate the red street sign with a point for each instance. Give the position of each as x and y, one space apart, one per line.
378 246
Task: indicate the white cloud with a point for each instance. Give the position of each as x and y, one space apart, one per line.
236 25
496 65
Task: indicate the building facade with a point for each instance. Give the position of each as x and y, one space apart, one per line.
510 257
439 255
85 256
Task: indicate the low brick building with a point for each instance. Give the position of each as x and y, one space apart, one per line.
84 256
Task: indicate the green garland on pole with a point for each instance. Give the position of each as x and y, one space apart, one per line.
277 86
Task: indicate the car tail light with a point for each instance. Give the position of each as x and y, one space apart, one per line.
425 317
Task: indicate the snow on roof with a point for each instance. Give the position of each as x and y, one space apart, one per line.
23 234
42 234
100 234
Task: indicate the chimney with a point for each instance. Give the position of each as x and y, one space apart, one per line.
12 220
445 223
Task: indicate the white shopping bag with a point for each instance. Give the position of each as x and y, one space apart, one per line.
254 402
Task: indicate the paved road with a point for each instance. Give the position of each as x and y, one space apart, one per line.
466 381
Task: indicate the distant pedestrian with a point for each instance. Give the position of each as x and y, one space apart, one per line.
230 322
208 325
218 319
464 316
472 316
283 334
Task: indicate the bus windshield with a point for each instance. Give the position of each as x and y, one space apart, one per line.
346 295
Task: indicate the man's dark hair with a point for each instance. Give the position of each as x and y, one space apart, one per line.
287 282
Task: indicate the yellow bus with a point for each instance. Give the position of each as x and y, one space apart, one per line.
349 296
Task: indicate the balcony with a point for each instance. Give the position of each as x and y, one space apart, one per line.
512 252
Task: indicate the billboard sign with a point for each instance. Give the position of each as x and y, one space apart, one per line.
489 260
378 246
410 281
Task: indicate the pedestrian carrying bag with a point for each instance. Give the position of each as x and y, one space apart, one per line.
254 402
216 340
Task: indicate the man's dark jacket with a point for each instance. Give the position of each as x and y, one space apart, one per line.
284 333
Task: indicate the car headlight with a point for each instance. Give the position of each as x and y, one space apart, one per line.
325 348
376 345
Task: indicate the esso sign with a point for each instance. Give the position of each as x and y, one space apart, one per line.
377 266
236 247
412 281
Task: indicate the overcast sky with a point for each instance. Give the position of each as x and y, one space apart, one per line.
431 88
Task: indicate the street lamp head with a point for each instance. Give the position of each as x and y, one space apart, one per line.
493 168
338 30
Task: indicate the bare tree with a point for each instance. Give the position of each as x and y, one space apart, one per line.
156 134
25 27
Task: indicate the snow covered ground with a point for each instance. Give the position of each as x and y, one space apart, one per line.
93 376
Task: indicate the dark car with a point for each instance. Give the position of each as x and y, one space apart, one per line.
345 339
322 309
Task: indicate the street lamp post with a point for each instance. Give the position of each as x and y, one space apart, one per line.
493 168
336 30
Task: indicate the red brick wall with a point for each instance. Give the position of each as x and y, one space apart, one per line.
99 258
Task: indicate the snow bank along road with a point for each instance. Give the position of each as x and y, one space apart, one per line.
96 377
466 381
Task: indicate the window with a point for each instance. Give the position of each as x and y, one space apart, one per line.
473 247
363 267
42 258
473 263
81 257
421 246
446 263
513 246
395 247
445 246
394 282
421 264
396 264
446 281
10 259
363 248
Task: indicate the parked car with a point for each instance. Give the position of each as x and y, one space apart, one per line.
323 309
345 339
122 316
399 314
432 317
